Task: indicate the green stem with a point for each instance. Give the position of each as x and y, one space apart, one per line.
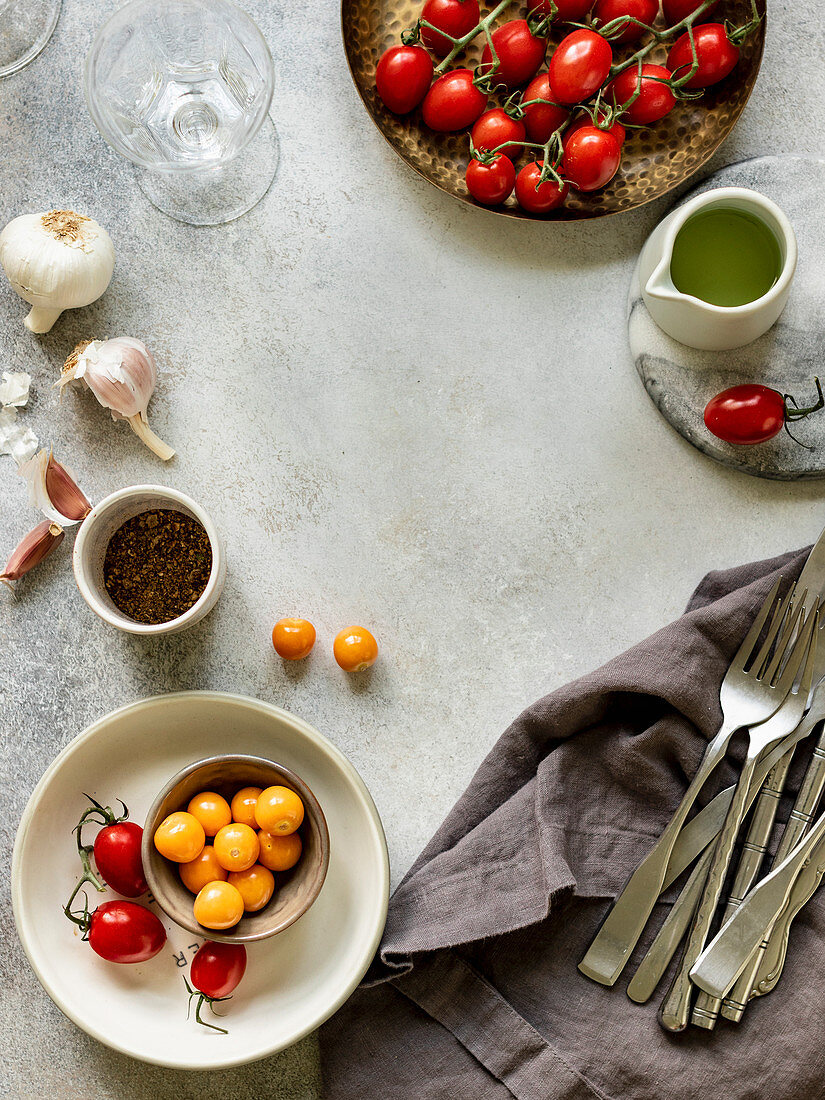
460 43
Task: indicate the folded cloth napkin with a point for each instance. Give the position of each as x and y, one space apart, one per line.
475 993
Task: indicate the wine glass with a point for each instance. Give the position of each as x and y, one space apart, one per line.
25 28
182 89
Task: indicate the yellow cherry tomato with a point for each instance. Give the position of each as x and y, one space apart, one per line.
243 806
180 837
293 638
355 649
255 885
236 847
218 905
279 853
279 810
211 810
202 870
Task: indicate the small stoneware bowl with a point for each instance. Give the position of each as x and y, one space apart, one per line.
295 890
93 538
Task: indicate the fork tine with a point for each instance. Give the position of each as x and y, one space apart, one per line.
800 652
792 629
808 674
770 637
746 648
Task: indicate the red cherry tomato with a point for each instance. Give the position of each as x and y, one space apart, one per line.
715 53
453 102
643 10
217 968
402 77
591 158
491 183
520 53
541 119
746 414
617 130
677 10
655 98
579 66
563 11
124 932
535 197
117 855
454 17
495 128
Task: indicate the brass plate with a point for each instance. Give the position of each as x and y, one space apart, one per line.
656 159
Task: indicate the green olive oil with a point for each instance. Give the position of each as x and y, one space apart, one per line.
725 257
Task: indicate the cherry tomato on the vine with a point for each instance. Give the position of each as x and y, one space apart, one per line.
591 158
117 855
454 17
491 183
535 197
453 102
541 119
645 11
495 128
402 77
579 66
677 10
124 932
617 130
562 11
746 414
716 56
215 973
520 52
655 98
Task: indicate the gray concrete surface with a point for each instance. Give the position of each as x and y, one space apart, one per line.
402 411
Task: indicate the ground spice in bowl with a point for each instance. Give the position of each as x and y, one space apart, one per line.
157 565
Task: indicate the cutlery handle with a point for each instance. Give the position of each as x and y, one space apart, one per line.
769 960
675 1012
804 889
706 1010
612 946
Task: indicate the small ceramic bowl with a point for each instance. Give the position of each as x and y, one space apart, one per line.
93 538
295 890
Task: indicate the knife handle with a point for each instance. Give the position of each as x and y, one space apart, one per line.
750 982
706 1009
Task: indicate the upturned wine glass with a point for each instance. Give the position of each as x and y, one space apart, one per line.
25 28
182 88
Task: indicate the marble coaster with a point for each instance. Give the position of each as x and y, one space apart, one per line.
680 380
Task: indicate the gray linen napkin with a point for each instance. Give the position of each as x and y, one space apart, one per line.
475 992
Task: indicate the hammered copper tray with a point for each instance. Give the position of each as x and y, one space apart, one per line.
656 159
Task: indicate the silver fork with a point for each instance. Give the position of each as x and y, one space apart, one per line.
675 1012
748 696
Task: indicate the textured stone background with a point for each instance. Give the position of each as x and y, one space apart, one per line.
401 411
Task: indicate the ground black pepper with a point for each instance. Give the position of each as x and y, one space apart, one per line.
157 565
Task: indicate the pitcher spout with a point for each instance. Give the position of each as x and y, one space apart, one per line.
660 284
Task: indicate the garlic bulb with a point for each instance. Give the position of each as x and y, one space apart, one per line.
121 373
55 261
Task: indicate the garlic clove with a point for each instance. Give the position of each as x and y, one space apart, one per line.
55 261
53 490
31 550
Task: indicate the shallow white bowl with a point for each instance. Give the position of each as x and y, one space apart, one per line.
93 538
293 981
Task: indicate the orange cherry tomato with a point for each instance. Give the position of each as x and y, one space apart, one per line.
218 905
279 853
293 638
236 847
211 810
180 837
279 810
243 806
355 649
255 885
202 870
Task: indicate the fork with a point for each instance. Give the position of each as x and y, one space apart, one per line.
747 696
675 1012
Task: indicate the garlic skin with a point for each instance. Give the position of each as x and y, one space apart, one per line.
31 550
53 490
122 375
55 261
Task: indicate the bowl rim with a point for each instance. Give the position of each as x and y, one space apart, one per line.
271 710
149 854
199 608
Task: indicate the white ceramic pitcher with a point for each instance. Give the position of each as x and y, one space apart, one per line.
700 324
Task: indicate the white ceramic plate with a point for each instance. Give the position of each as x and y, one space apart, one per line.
294 981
